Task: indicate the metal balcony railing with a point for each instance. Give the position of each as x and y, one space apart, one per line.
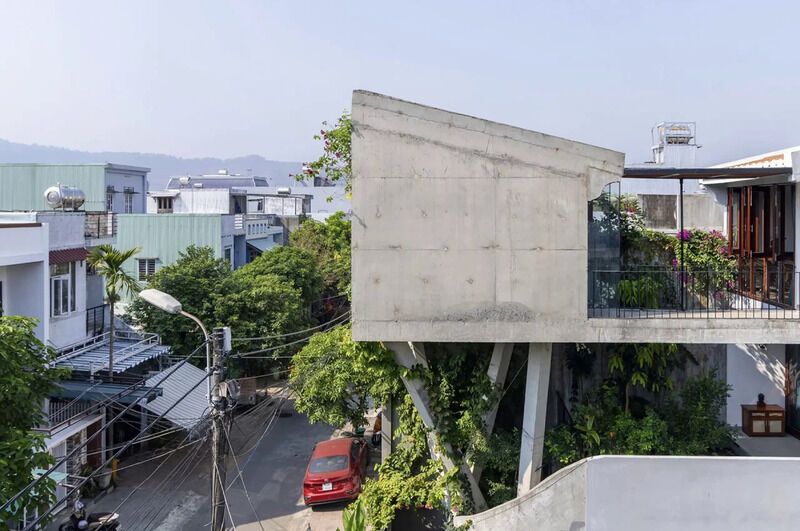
96 320
670 293
100 225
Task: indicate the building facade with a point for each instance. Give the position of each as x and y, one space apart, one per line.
108 187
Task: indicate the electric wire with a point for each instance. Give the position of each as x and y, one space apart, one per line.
152 512
75 450
239 475
147 508
135 489
115 455
289 334
337 321
224 498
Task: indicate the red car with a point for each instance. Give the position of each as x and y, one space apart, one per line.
335 471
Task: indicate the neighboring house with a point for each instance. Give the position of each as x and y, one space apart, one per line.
44 274
215 211
108 187
324 200
471 231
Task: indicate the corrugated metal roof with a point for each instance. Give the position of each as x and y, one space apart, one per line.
128 353
64 256
189 411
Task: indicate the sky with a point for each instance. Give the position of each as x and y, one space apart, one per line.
229 78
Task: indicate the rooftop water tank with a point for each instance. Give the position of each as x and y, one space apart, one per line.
64 197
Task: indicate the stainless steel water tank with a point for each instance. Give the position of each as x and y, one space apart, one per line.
64 197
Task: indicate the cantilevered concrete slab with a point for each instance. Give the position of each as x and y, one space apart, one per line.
466 230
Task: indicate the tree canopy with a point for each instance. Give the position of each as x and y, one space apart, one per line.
292 264
329 244
26 380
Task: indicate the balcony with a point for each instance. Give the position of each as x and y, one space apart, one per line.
100 226
130 349
659 293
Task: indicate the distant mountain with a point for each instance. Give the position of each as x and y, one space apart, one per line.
162 167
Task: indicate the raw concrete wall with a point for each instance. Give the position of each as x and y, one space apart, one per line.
657 493
557 503
700 211
469 230
463 225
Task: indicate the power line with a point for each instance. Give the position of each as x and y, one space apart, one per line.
289 334
75 450
153 513
244 486
127 445
247 355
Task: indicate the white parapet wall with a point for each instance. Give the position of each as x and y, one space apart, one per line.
657 493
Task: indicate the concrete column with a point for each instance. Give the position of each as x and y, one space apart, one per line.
408 355
497 372
532 446
387 429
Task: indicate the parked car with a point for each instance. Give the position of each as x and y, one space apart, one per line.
335 471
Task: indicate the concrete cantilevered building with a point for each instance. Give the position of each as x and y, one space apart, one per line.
466 230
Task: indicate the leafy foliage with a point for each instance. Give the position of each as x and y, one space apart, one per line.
408 478
646 365
108 261
334 378
292 264
26 380
193 279
689 424
252 303
335 161
354 516
329 243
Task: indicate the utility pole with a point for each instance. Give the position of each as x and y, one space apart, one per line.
219 404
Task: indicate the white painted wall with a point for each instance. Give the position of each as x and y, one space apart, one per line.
657 493
24 270
120 179
67 329
753 369
202 201
67 229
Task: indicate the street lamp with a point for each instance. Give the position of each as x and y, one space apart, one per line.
168 303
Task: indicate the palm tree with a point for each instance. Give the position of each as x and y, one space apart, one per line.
107 261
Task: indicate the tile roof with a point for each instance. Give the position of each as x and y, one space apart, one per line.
64 256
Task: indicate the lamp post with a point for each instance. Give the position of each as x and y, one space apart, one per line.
168 303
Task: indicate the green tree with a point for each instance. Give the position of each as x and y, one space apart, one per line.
329 243
294 265
108 262
335 161
261 305
26 379
333 377
194 280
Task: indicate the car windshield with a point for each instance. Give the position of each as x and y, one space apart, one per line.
328 464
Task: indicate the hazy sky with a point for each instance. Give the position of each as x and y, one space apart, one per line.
216 78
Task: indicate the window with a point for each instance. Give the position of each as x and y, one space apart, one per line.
164 205
147 267
734 221
62 289
128 200
109 198
228 257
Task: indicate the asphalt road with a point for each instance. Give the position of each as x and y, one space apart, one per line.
176 497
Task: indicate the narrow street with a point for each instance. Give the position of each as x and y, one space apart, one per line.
176 497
